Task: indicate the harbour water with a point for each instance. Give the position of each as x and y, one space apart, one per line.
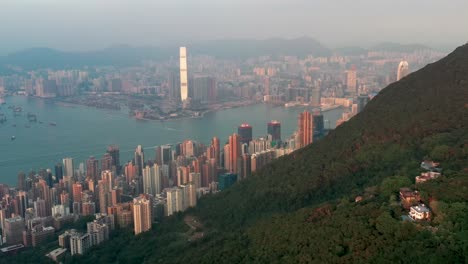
80 131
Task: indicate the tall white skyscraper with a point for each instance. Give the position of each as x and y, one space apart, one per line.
68 167
183 74
403 70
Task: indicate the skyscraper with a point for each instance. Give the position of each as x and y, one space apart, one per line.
139 160
14 230
104 196
351 81
92 169
80 243
21 181
108 177
152 179
235 152
403 70
114 151
77 189
106 162
22 202
305 129
203 89
192 194
174 84
165 154
315 97
183 74
44 193
245 133
216 149
318 124
174 201
58 172
68 167
246 166
40 208
141 214
274 129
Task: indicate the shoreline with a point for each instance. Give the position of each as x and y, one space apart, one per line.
202 114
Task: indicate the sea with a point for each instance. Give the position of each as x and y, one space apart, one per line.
64 130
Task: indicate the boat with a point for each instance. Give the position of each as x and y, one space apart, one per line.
53 124
13 138
32 117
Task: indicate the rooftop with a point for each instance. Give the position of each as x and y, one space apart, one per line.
14 219
56 252
421 208
12 248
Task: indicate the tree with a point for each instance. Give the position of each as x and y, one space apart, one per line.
393 184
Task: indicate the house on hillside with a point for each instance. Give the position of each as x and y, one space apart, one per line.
409 197
426 176
430 165
420 212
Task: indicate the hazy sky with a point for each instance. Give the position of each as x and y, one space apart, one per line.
94 24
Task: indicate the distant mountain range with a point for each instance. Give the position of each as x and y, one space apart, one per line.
125 55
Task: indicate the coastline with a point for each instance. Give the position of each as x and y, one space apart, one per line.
202 113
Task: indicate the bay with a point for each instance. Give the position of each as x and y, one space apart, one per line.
82 131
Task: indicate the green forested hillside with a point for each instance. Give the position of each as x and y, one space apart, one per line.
301 208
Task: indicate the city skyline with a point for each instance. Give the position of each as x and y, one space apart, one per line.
233 131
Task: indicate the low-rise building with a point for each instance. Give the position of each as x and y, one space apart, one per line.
420 212
426 176
409 197
430 165
57 254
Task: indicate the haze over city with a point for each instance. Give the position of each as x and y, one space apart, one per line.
233 131
90 25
